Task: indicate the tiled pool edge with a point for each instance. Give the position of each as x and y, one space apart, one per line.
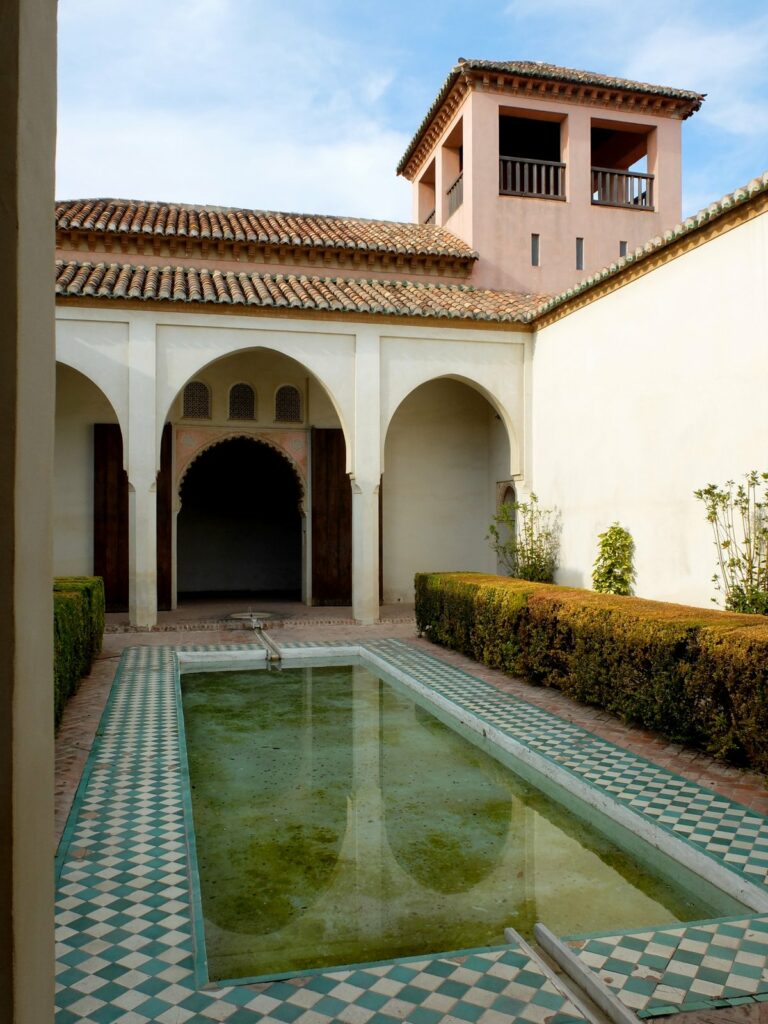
174 1001
124 904
639 994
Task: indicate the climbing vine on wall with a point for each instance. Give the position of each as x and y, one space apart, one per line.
614 570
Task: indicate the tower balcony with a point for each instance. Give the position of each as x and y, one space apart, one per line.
545 179
629 189
534 179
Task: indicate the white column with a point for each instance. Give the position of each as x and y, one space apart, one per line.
366 478
142 465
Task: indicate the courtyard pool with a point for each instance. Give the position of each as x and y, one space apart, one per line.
339 820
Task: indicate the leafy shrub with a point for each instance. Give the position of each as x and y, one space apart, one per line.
697 675
614 571
738 515
78 627
526 539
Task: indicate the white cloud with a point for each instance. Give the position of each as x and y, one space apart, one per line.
224 102
249 102
730 66
205 159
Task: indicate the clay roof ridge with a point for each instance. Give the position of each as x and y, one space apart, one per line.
200 285
209 208
745 193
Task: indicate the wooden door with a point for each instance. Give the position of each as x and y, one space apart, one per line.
331 520
165 522
110 515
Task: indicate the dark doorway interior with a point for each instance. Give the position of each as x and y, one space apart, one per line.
110 515
239 528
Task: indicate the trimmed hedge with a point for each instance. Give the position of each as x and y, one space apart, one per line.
78 627
696 675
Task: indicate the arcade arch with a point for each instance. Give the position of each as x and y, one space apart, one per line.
259 507
80 405
445 449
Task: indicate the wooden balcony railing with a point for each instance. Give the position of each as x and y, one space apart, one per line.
455 194
622 188
430 218
537 179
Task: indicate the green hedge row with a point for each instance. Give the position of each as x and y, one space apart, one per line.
699 676
78 626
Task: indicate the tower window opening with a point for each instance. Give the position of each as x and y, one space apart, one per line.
529 158
579 253
620 166
535 251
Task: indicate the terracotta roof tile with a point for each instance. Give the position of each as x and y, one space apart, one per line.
532 69
192 285
758 186
258 227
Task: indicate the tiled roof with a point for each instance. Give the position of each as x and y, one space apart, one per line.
258 227
758 186
548 72
553 72
193 285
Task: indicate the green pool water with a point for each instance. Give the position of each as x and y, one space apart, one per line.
338 821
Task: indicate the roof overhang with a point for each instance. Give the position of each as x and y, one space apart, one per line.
541 81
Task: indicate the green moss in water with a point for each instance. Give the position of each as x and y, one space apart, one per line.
337 821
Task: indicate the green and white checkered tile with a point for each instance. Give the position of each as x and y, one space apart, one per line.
683 967
125 939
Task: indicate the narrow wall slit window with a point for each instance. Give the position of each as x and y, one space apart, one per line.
535 251
622 249
242 402
197 401
288 404
579 253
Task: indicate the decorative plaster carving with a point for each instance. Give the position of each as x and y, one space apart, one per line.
191 442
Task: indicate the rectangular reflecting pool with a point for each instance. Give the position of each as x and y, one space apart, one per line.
338 821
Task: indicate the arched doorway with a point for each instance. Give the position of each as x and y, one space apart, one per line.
290 411
446 450
240 526
90 503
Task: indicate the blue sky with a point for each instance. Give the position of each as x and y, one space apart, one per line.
307 105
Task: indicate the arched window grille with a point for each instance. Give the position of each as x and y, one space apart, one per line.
197 401
242 402
288 404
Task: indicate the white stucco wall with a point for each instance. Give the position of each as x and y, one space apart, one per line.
445 450
648 393
79 404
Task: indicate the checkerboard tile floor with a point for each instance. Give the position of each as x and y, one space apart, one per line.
688 967
125 936
124 929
